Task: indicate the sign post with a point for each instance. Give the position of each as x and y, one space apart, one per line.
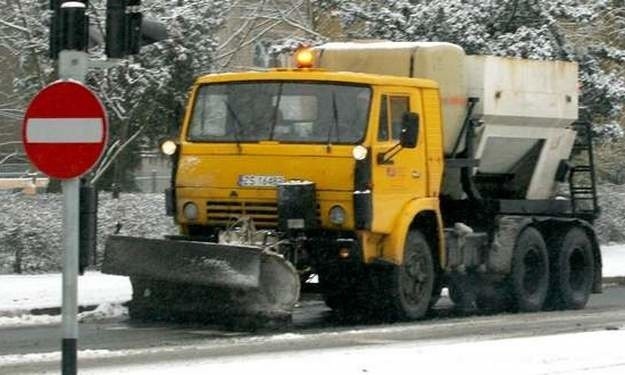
64 133
69 343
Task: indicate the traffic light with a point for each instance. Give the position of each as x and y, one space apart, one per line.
126 28
69 26
134 27
55 28
123 28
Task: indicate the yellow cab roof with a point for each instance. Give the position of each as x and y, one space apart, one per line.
316 75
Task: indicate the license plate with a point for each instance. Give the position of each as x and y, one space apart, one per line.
256 180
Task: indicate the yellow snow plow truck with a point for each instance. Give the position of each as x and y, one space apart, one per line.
389 171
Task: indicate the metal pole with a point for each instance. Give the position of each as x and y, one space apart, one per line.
70 275
73 64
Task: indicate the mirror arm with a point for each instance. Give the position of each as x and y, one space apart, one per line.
386 156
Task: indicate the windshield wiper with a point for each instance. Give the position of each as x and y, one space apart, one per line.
274 119
237 124
335 124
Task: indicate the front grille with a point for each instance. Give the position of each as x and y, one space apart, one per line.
264 214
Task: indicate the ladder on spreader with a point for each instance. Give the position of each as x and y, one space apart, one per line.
582 178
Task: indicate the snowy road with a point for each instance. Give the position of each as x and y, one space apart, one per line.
585 342
317 342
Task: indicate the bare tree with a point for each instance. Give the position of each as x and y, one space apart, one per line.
144 95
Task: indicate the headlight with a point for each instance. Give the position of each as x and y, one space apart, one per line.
337 215
168 147
359 152
190 211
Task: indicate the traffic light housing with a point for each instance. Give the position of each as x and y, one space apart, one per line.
123 28
126 28
55 29
69 26
133 32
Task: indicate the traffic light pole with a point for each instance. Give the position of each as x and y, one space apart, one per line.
73 63
70 277
69 35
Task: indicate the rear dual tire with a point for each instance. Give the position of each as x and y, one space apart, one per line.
558 276
573 270
526 288
529 280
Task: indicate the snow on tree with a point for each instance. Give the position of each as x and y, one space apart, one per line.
145 94
531 29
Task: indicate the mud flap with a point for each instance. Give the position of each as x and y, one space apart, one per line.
246 278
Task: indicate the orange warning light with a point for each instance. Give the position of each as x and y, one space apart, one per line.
304 58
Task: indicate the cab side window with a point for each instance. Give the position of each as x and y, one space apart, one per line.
392 108
383 122
399 105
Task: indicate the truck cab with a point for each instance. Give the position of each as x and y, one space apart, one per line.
345 133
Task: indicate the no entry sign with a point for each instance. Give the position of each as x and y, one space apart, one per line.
65 130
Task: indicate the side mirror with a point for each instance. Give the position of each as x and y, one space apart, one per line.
409 136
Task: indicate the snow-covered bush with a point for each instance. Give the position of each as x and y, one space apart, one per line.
611 224
31 226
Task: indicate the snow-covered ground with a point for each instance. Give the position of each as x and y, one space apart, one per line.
26 292
563 354
19 294
571 354
613 260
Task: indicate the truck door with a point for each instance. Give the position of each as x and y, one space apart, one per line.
403 177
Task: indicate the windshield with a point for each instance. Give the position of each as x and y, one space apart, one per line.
280 111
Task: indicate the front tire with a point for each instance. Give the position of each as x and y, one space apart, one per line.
409 287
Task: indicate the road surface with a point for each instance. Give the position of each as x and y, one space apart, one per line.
34 349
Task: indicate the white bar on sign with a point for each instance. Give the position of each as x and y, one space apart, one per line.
64 130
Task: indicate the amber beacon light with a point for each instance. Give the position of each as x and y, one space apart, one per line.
304 58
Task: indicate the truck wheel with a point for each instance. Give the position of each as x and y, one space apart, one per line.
529 280
572 271
409 288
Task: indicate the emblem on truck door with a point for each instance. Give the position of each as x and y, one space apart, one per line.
260 181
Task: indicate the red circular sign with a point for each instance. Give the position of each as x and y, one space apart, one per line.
65 130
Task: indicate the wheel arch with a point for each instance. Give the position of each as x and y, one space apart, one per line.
422 214
428 224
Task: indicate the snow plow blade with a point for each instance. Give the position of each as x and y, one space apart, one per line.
202 278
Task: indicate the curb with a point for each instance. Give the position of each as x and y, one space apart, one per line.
614 281
57 310
42 311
